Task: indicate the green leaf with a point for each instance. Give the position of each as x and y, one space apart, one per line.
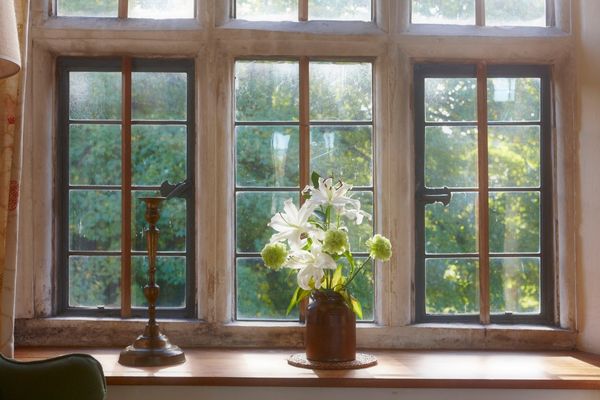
299 295
314 177
337 277
356 307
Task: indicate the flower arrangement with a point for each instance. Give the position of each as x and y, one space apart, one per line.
313 238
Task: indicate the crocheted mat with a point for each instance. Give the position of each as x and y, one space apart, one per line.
362 361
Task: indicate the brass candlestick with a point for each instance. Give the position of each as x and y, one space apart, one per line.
152 348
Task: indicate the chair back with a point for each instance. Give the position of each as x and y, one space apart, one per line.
68 377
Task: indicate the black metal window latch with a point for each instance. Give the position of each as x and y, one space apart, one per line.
181 189
437 195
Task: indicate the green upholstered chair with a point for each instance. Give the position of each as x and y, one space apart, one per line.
69 377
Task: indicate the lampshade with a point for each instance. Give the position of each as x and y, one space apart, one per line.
10 55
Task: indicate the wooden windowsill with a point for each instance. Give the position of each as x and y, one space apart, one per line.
395 369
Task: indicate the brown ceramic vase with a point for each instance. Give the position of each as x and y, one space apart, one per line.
330 328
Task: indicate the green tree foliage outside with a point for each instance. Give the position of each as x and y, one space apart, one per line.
349 10
88 8
287 10
267 156
156 9
497 12
452 285
158 154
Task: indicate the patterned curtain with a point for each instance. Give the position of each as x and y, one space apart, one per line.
11 128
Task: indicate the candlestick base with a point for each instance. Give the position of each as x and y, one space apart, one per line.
151 351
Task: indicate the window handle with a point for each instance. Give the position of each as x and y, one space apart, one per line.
181 189
440 195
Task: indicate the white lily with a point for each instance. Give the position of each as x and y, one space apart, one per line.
308 273
292 224
328 193
356 215
311 265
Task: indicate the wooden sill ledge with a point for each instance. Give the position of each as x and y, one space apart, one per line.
396 369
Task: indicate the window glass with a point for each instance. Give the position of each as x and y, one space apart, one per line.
288 10
450 210
463 12
266 91
94 281
161 9
356 10
95 154
93 191
159 96
450 99
515 12
515 285
95 95
267 156
345 150
86 8
452 286
268 151
267 10
154 9
340 91
456 12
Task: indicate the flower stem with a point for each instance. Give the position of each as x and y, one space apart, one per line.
353 274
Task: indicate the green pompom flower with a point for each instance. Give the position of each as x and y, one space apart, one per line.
380 248
336 241
274 255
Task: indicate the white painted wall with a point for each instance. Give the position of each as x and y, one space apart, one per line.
587 16
269 393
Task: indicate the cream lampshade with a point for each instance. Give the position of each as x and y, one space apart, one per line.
10 55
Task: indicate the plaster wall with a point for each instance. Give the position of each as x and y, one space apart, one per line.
588 53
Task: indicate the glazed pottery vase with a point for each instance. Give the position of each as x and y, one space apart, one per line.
330 328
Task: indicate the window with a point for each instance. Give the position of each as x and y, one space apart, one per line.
156 9
126 126
293 117
258 136
303 10
484 199
481 12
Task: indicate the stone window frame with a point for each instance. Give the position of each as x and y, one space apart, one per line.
215 41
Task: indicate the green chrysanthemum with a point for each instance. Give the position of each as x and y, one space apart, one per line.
274 255
380 248
335 242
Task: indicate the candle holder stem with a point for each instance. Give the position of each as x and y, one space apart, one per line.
152 348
